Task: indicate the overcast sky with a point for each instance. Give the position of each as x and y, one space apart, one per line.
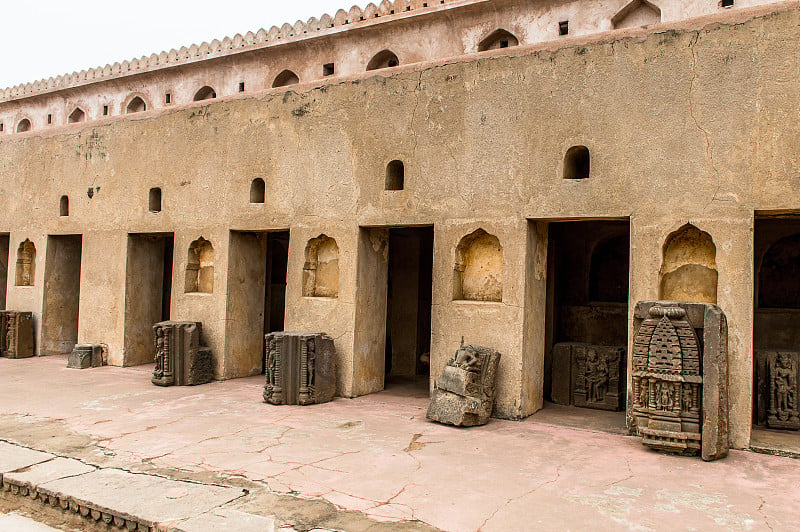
43 38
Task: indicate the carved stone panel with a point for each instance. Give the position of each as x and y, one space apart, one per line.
589 376
464 393
180 359
16 334
679 392
778 374
87 356
300 368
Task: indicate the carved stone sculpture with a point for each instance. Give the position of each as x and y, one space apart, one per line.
589 376
299 368
16 334
87 356
679 383
778 377
180 359
464 393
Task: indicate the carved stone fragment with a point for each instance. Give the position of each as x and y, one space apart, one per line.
87 356
300 368
464 393
180 359
778 374
679 384
16 334
589 376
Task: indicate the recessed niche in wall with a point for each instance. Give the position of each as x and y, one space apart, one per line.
205 93
241 86
478 272
136 105
577 163
779 274
168 98
328 69
395 175
49 118
383 59
498 39
200 267
286 78
26 264
636 13
563 27
24 125
257 190
726 3
689 269
105 110
63 206
321 269
154 200
77 115
1 127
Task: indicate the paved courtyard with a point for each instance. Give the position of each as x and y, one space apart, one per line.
375 463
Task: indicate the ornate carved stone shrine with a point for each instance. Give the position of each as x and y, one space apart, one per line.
464 393
300 368
180 359
778 373
16 334
87 356
589 376
679 378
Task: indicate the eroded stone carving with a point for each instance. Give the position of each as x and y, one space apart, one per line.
777 400
87 356
589 376
16 334
464 393
679 390
180 359
299 368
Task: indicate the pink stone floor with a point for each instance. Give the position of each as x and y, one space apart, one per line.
377 454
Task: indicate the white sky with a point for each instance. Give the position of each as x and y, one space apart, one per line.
43 38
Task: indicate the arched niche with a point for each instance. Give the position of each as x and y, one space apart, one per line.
77 115
383 59
205 93
257 190
136 105
63 206
637 13
609 270
498 39
286 78
577 163
478 274
200 267
779 275
26 264
395 175
24 125
154 199
321 269
689 270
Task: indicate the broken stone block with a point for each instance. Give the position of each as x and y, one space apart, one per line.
16 334
87 356
300 368
180 359
464 393
679 392
589 376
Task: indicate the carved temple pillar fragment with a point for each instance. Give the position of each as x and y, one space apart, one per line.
16 334
87 356
464 393
300 368
589 376
180 359
778 377
678 398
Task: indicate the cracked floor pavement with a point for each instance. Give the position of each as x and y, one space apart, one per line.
375 461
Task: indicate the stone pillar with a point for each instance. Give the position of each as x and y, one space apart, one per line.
180 360
16 334
299 368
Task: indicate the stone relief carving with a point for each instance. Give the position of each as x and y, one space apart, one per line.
778 374
589 376
464 393
299 368
180 359
16 334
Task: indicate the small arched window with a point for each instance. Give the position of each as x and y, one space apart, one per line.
383 59
24 125
286 78
498 39
63 206
154 200
76 116
577 163
257 190
395 175
205 93
136 105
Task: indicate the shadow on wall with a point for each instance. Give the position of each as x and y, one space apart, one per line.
689 270
478 274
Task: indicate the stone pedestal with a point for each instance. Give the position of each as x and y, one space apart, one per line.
16 334
300 368
180 359
464 393
589 376
87 356
778 378
678 399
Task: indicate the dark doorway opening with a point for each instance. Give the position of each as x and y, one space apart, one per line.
277 264
586 324
408 305
148 292
4 249
62 284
